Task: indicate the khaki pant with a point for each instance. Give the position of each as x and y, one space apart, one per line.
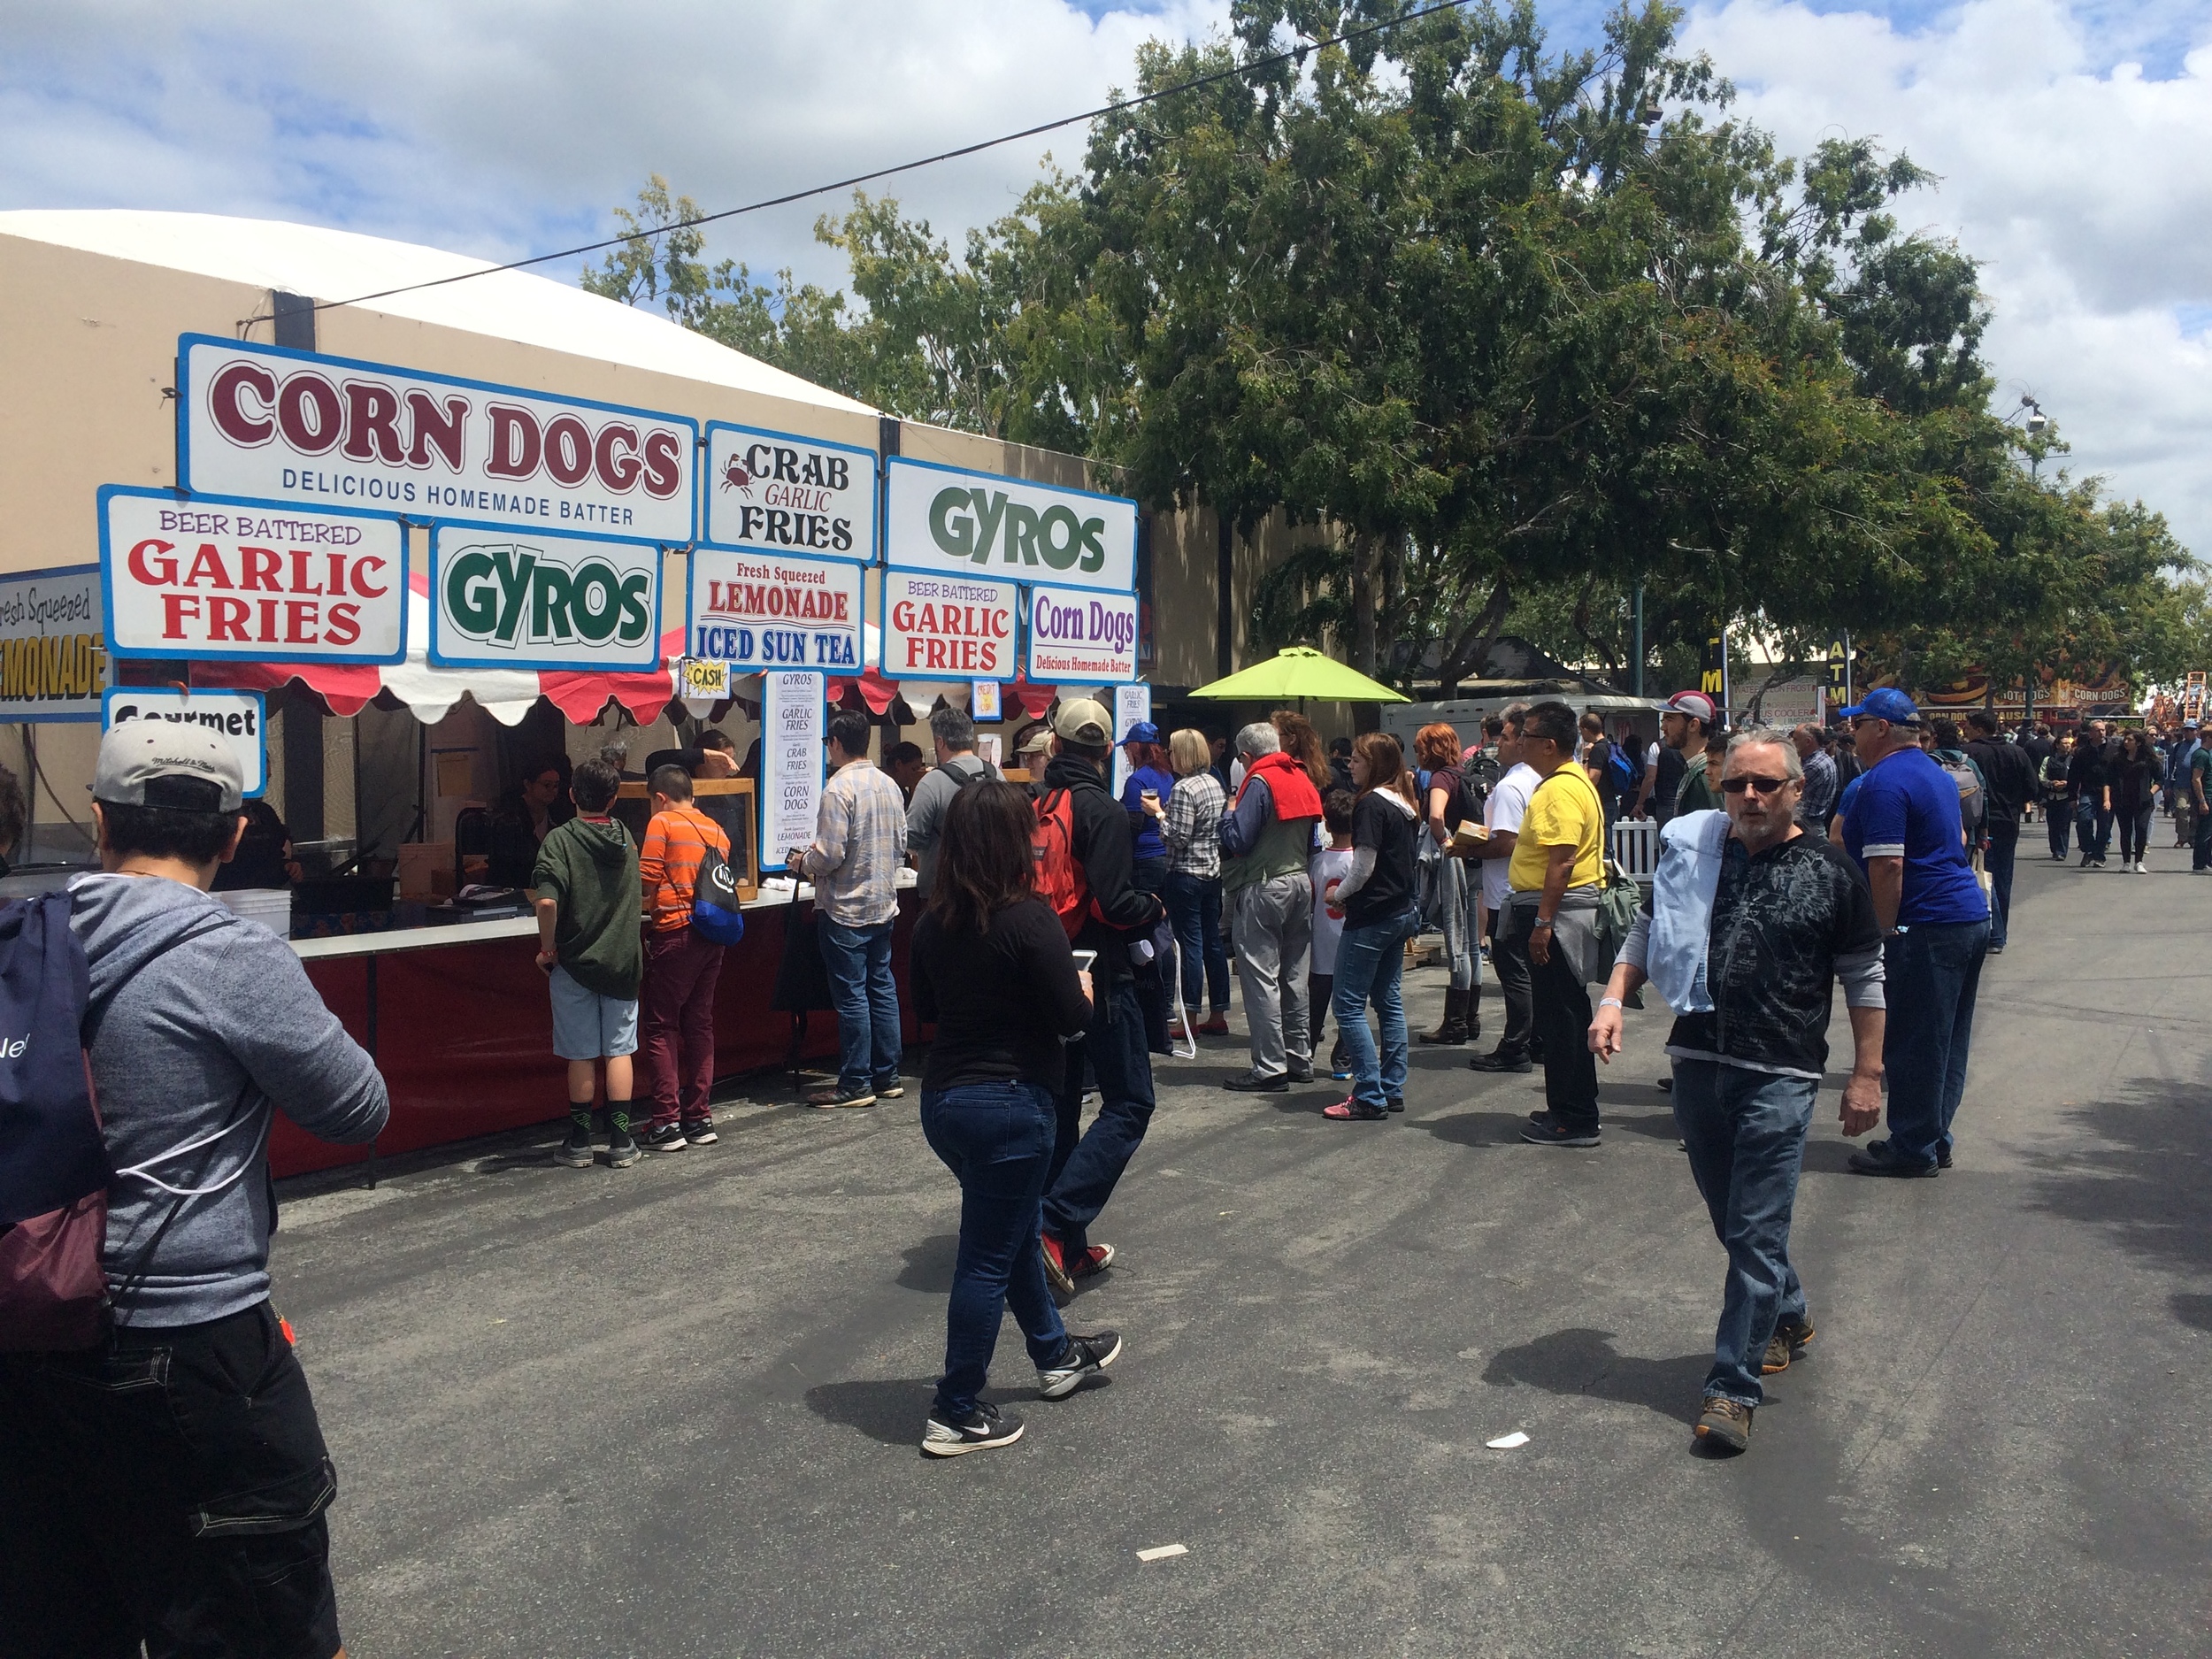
1271 924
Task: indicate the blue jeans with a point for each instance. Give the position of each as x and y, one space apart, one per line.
1745 1132
2094 827
1193 902
1368 960
1930 975
1085 1166
997 1138
1997 858
866 1001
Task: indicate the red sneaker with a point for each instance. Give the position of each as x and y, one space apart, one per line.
1348 1110
1217 1026
1056 1271
1094 1261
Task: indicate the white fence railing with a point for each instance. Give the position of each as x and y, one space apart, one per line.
1636 847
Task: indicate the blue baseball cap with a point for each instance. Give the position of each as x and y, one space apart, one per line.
1886 703
1142 731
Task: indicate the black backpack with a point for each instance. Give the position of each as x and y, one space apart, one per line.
1470 794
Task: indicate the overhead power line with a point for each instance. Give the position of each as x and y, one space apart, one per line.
1240 70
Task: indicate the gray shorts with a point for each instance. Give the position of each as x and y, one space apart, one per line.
587 1026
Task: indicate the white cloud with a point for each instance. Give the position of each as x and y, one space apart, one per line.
505 128
2082 191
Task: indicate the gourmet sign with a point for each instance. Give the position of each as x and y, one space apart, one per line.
756 611
543 600
947 627
237 718
53 654
1082 637
939 518
211 579
295 427
776 490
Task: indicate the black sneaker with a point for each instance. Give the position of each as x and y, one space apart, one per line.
1499 1060
982 1428
1301 1071
1084 1357
1943 1156
576 1152
622 1147
1549 1131
892 1091
1253 1083
1725 1423
666 1138
1396 1103
699 1132
1880 1160
1789 1341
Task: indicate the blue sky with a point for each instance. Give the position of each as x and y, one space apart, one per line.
2070 135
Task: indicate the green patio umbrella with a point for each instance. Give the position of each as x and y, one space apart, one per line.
1298 671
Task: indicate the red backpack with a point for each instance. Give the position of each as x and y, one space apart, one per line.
1062 882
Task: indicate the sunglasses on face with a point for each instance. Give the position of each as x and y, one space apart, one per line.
1764 785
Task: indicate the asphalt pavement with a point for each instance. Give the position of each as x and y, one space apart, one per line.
676 1409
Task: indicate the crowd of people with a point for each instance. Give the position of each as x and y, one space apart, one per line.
168 1483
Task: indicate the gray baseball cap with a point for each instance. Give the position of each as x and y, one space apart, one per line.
154 762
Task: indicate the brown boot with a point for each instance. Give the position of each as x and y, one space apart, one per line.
1454 1030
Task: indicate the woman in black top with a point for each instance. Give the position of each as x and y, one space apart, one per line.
993 969
1378 902
2135 782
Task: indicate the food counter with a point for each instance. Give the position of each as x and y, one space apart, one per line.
459 1019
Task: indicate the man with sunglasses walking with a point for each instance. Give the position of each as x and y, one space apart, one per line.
1750 920
1905 831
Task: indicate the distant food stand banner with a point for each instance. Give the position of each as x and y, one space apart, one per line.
945 518
1082 637
947 627
239 717
294 426
210 579
794 724
778 491
542 601
758 611
53 645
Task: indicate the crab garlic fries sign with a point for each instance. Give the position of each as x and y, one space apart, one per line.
778 492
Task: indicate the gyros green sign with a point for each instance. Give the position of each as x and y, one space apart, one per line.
941 518
544 602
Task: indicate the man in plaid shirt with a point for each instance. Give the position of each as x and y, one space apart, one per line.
858 849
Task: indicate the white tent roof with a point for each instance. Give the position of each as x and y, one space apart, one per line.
336 264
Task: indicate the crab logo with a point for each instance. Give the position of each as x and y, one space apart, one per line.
736 477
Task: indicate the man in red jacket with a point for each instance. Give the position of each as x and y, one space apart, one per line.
1266 838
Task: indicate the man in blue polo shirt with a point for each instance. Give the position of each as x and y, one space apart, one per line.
1903 828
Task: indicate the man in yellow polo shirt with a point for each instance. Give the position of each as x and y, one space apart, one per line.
1557 874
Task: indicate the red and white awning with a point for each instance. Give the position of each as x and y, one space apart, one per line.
507 694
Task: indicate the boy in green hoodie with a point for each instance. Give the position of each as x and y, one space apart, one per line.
586 884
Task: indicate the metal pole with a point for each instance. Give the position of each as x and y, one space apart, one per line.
1848 698
372 1048
1640 638
1726 701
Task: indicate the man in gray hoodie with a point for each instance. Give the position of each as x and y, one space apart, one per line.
169 1485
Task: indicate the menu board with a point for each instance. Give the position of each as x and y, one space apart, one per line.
793 723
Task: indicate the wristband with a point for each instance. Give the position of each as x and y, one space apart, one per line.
1611 1002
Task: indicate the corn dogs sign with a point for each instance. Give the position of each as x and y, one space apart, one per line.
303 429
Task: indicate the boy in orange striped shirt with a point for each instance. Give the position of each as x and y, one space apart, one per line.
682 966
